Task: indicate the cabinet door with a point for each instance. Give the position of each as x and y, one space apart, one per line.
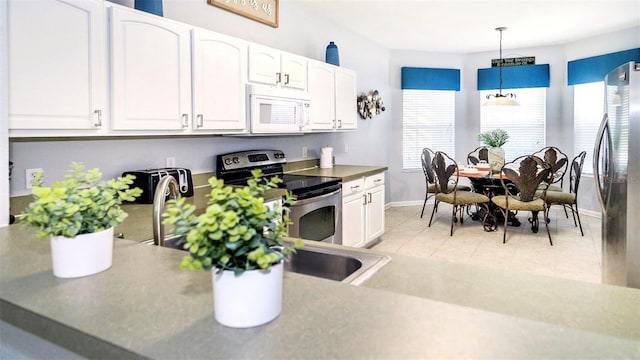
322 92
56 75
346 99
375 213
219 77
151 72
353 220
294 71
264 65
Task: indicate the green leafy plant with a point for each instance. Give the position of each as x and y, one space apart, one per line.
80 204
237 231
494 138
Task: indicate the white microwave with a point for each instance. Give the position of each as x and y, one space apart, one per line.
276 110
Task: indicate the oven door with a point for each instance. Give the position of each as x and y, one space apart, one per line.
318 218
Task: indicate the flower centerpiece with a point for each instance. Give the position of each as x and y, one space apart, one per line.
495 139
76 211
243 239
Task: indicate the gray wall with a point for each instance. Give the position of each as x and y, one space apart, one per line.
376 142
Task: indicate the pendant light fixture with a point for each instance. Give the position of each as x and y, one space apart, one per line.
499 99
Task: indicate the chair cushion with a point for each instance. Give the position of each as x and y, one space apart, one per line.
560 197
550 188
432 188
515 204
462 198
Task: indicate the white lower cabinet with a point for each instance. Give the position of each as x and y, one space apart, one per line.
353 213
363 210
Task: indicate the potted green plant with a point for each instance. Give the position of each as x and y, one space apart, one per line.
243 240
78 215
495 139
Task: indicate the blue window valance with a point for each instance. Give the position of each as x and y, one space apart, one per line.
595 68
514 77
430 79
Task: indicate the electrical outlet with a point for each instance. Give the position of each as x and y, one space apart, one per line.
171 162
30 175
304 152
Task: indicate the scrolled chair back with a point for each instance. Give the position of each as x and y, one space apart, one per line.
445 170
426 158
556 159
526 173
576 172
481 153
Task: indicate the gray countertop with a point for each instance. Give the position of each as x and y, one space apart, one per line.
144 306
345 172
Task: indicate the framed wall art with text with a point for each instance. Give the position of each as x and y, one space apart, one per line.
264 11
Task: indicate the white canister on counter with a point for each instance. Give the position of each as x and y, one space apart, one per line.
326 157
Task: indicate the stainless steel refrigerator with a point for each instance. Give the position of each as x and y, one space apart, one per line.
616 164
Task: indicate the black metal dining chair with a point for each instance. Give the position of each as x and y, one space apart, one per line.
558 161
569 199
521 179
481 153
429 177
446 174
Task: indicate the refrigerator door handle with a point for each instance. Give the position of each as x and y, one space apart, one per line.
604 130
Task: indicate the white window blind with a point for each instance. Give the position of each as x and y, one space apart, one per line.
428 120
588 109
525 124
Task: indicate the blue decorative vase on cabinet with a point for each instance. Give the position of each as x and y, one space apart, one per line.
150 6
331 55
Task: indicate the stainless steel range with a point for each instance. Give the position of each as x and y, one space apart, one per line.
317 211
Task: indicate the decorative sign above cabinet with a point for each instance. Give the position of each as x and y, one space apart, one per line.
264 11
517 61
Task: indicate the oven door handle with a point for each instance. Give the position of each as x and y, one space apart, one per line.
315 198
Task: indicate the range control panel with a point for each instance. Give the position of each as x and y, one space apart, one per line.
249 159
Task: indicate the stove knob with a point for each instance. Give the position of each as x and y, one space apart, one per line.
236 160
227 161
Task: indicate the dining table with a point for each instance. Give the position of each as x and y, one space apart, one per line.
484 181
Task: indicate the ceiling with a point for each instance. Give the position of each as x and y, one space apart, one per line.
467 26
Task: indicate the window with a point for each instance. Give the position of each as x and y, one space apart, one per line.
588 100
428 120
525 124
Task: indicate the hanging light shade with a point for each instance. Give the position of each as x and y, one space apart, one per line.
500 99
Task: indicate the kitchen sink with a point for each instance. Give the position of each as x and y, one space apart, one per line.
339 264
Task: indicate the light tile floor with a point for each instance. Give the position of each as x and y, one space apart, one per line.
571 256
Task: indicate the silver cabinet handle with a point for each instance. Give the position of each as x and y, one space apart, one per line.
355 187
370 198
200 120
364 197
185 120
286 79
339 124
98 118
278 78
377 180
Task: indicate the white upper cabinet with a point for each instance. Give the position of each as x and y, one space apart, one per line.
219 78
346 99
150 72
56 75
322 91
333 97
272 66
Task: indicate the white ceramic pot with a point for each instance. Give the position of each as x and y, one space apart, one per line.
496 159
83 255
251 299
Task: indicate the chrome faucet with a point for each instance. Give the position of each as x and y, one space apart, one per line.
167 186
